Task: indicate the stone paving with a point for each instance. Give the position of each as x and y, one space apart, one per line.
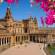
25 49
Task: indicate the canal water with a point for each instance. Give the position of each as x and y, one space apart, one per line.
52 51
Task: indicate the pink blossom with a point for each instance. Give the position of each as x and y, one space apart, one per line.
9 1
49 21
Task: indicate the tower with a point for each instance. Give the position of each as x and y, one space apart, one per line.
8 16
9 20
35 23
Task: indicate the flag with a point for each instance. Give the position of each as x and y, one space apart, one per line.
42 21
1 1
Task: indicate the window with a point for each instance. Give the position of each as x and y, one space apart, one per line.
16 38
25 30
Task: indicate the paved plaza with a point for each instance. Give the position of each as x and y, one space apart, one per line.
26 49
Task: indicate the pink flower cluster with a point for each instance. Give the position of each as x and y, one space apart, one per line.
49 7
50 19
11 1
46 5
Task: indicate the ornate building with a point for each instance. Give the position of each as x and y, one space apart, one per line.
14 32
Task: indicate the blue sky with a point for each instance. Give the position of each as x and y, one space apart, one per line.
23 10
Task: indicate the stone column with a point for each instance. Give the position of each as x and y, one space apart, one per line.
38 38
46 38
20 38
28 38
32 38
23 39
35 38
1 41
49 38
6 40
41 37
12 40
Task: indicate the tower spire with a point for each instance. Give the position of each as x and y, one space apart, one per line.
8 14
